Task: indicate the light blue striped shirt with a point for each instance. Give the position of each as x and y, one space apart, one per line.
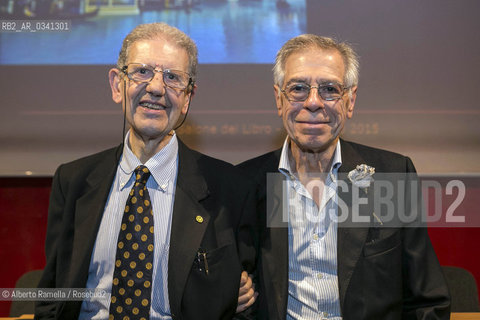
312 246
161 188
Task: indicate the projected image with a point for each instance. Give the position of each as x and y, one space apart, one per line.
226 31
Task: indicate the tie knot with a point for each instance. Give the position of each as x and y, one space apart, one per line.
142 174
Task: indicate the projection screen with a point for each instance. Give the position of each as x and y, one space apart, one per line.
418 92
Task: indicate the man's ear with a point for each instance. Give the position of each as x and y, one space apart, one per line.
352 97
278 99
116 80
190 92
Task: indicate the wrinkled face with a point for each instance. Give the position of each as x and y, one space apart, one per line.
314 124
152 109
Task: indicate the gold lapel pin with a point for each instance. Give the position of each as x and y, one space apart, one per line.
199 219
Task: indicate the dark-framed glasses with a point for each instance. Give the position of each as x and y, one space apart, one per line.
299 92
143 73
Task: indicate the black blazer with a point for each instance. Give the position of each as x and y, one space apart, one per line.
383 273
205 186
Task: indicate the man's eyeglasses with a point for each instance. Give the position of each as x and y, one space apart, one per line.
142 73
299 92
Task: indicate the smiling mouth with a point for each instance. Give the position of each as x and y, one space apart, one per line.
152 106
313 122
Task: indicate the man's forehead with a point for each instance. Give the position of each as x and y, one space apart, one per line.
157 51
143 45
314 63
315 50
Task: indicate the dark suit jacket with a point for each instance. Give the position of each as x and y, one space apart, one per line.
205 186
383 273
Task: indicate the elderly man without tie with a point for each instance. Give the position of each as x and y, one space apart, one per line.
312 265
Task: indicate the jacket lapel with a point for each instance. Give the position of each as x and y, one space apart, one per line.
187 231
88 214
350 241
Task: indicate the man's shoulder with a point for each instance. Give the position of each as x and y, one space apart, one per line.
369 150
204 161
213 170
267 162
381 159
91 161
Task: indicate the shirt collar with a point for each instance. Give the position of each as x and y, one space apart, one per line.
284 164
162 165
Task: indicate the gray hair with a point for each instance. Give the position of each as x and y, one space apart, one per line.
308 41
152 31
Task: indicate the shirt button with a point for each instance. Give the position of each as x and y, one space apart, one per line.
163 186
315 236
320 276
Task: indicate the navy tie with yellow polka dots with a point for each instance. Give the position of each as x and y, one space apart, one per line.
132 277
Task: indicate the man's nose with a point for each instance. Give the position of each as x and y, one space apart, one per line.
156 86
314 101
